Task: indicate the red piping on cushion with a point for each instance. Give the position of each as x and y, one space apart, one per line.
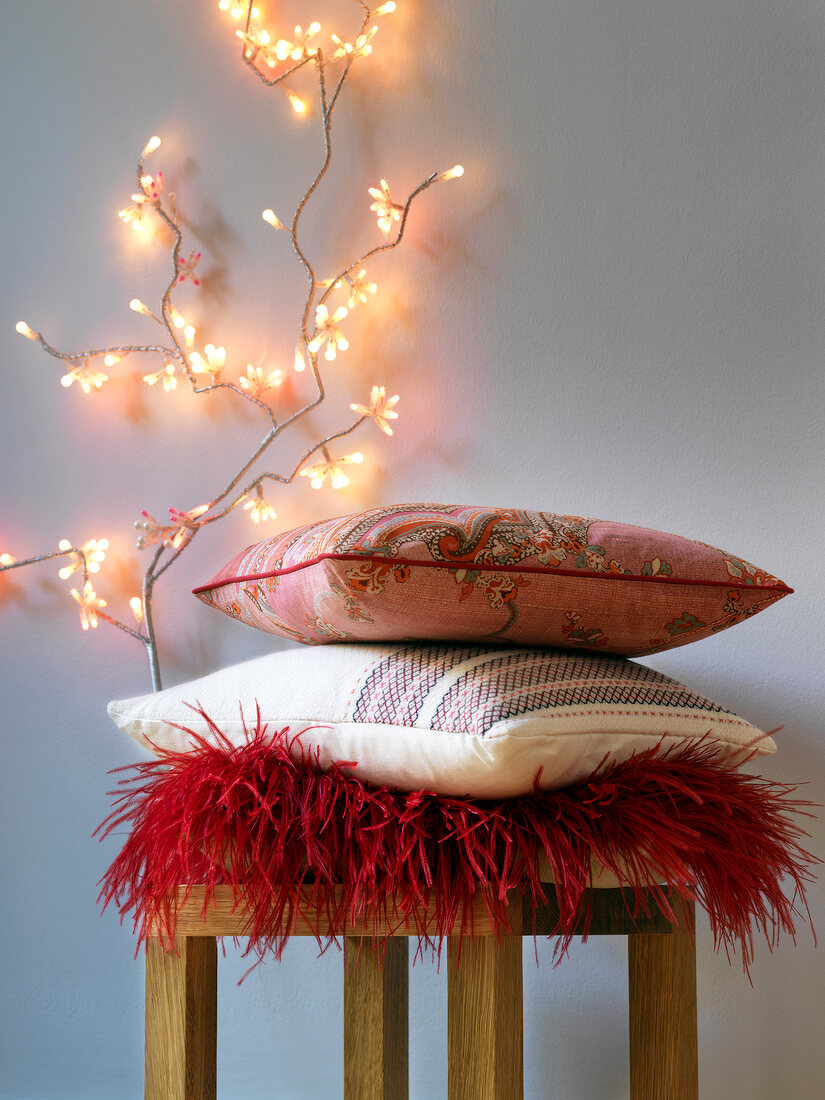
483 567
264 818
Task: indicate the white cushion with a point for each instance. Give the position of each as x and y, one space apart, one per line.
457 720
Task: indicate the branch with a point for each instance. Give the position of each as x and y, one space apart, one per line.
172 538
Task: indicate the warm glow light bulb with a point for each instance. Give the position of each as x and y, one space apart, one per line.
136 604
189 335
295 102
24 330
452 173
300 362
7 559
90 603
87 378
216 356
271 218
150 146
111 359
357 458
339 480
93 552
257 507
223 5
177 319
140 307
385 9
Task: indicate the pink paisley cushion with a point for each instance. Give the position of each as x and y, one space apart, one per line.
457 573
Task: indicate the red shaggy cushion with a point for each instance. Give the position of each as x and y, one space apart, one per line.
266 822
414 571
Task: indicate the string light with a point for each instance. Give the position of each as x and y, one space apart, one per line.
257 381
386 211
327 330
203 370
451 173
237 11
257 44
343 48
360 289
87 378
363 43
150 146
90 603
299 48
133 215
331 468
258 509
213 364
153 532
187 519
150 194
295 102
271 218
381 409
152 187
140 307
166 375
92 553
186 268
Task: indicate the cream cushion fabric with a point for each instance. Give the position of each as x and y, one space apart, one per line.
480 721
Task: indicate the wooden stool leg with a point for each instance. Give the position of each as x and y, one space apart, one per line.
484 1017
376 1037
181 1019
664 1062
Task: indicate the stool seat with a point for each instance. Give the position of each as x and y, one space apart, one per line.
485 1046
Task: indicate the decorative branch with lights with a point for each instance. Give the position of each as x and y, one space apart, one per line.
274 61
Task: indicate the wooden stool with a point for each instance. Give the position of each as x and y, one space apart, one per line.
484 1044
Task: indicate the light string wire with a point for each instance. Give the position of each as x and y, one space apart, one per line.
173 538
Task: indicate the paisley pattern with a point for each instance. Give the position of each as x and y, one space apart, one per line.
459 573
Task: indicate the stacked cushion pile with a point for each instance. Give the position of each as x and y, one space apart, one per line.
479 655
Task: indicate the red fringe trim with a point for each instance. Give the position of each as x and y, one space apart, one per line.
264 818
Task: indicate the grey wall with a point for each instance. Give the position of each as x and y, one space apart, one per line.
618 312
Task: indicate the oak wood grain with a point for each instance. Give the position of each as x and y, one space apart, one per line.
484 1015
376 1042
664 1062
611 914
181 1019
221 916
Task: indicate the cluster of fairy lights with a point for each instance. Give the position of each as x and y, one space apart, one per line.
178 357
